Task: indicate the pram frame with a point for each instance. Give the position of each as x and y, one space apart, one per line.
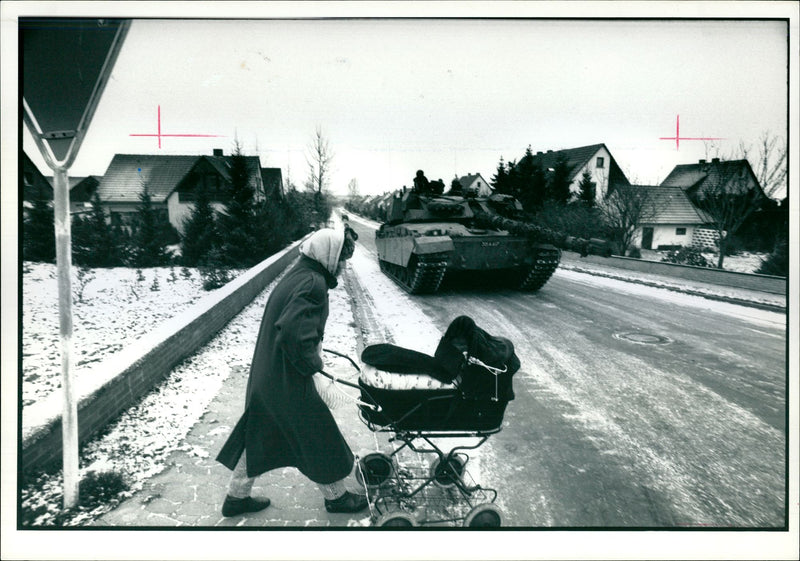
475 496
408 487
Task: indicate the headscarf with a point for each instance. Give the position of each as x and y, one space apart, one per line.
324 246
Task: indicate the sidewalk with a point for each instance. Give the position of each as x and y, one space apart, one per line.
740 296
191 489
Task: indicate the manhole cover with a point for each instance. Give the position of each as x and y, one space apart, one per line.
643 338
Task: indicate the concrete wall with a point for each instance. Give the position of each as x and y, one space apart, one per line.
763 283
123 379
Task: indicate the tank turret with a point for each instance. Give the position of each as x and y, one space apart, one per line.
429 234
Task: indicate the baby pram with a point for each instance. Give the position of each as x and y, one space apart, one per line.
460 393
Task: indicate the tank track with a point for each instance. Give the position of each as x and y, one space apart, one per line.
545 263
423 275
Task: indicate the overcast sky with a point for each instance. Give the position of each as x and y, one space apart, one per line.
450 97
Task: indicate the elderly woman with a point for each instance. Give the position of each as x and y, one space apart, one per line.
285 422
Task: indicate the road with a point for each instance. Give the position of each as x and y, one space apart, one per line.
635 406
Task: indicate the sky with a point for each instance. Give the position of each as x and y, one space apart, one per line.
448 96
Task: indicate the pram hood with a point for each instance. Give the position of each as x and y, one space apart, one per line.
456 354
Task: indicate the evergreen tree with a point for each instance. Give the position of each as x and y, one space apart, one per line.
38 233
93 242
588 189
777 263
149 248
500 180
199 230
559 183
237 224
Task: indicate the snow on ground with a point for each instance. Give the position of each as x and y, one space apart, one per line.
115 307
756 315
138 444
744 262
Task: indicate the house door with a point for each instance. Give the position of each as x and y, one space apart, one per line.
647 238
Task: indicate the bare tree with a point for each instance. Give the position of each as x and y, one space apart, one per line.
625 209
352 189
729 195
319 159
770 167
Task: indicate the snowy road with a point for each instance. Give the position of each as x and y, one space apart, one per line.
636 406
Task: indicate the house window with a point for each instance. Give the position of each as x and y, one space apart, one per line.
680 231
601 162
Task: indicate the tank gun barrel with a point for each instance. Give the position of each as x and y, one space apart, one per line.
540 234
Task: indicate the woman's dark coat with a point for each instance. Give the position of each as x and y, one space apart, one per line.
285 422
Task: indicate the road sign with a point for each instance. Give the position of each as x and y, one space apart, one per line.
65 66
66 63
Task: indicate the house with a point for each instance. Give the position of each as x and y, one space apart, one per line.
475 183
708 179
702 178
596 159
673 221
81 192
34 184
172 182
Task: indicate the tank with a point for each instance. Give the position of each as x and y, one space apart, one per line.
428 235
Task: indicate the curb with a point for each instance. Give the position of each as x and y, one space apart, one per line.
684 290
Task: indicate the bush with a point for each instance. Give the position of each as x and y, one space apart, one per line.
215 271
571 220
777 263
687 256
635 253
100 488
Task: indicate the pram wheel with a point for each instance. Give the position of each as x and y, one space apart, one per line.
447 473
487 515
375 469
396 520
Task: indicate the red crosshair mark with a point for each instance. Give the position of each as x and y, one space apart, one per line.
160 134
677 138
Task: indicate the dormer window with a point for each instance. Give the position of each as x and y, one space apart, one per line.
600 162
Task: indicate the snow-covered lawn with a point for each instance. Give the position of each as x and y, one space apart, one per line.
118 306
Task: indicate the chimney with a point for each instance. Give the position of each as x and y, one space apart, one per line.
714 160
702 162
218 151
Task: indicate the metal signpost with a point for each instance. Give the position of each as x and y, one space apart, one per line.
66 64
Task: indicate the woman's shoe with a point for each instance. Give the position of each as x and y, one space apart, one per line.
234 507
349 502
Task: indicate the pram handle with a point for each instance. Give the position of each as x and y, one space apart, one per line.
343 356
374 407
339 380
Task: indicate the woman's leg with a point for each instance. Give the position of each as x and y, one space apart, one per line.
240 485
238 501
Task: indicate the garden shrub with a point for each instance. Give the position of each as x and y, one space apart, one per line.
100 488
687 256
777 262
